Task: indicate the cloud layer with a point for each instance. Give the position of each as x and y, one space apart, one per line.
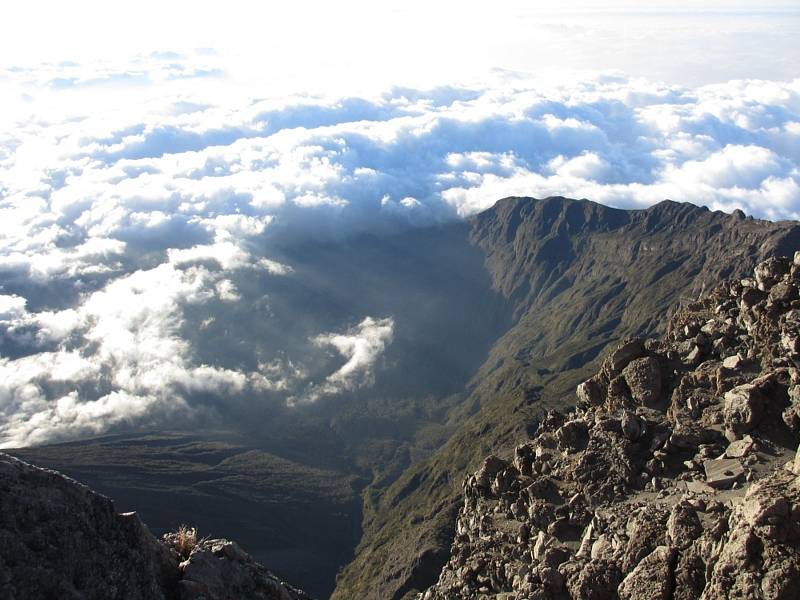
129 222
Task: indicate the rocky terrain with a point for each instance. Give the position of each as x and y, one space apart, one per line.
674 477
578 277
59 539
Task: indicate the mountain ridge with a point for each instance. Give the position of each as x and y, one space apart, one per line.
676 475
551 347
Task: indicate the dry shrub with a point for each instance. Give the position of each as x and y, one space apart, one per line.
185 540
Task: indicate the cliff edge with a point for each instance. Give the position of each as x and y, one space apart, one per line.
675 477
59 539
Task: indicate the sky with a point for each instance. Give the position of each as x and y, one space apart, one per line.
146 148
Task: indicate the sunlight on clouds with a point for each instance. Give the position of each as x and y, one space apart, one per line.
361 346
131 362
130 220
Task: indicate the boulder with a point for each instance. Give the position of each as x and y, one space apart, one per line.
751 297
683 526
651 579
626 352
740 448
632 426
591 392
744 407
62 540
771 271
221 570
596 580
732 363
784 291
643 376
796 464
722 473
491 466
573 435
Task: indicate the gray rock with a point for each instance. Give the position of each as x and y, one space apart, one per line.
651 579
744 407
221 570
632 426
591 392
771 271
543 542
784 291
740 448
683 526
625 353
751 297
643 376
796 464
790 340
573 435
59 539
698 487
492 465
757 558
694 356
688 435
732 362
722 473
596 580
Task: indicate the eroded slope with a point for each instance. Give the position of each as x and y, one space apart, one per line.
674 477
579 276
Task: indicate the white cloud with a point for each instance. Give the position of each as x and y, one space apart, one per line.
128 345
732 166
227 255
70 416
273 267
122 211
11 307
586 166
360 346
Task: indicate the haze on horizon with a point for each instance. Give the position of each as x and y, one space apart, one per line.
147 151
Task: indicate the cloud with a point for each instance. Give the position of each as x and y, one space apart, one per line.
126 361
360 346
137 229
226 254
11 307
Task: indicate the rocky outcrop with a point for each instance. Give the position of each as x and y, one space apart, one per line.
221 570
577 276
675 477
59 539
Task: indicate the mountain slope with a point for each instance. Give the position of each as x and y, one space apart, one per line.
676 475
62 540
301 520
578 276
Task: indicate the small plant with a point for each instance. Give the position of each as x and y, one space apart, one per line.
184 540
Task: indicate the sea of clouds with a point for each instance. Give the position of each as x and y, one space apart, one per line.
135 193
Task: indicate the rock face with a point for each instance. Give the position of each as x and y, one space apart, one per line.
577 276
221 570
59 539
675 477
